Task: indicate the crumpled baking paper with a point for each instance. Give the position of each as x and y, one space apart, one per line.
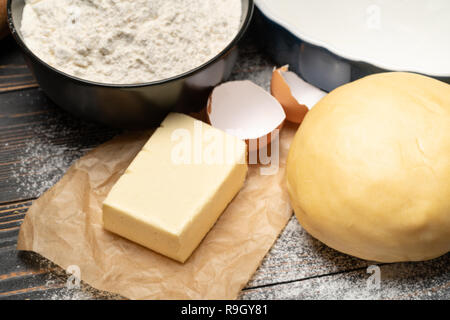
65 226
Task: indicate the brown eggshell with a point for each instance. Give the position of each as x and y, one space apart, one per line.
295 95
295 112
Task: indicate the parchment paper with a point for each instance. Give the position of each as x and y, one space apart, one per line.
65 226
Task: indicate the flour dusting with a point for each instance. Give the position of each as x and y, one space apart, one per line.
53 144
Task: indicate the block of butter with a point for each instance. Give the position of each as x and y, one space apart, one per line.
177 187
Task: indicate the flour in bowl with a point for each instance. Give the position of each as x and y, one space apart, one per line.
129 41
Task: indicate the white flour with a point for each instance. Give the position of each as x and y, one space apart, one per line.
129 41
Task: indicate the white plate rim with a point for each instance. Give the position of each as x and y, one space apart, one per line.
268 12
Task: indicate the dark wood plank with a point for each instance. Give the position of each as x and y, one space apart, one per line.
38 142
59 293
10 52
297 255
22 281
14 74
26 275
421 280
38 278
11 217
30 276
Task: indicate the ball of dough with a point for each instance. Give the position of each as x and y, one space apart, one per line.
369 169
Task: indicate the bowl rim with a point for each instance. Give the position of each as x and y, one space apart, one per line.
244 26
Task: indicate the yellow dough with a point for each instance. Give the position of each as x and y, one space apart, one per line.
369 169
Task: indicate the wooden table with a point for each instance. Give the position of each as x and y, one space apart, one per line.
38 142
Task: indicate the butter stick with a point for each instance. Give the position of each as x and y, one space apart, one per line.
177 187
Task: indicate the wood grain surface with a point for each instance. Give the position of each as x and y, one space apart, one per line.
38 143
14 73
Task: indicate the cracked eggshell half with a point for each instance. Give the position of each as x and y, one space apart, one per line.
295 95
245 110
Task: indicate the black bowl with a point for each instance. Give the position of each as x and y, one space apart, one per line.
130 106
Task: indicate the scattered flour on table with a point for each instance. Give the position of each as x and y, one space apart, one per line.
42 165
129 41
52 145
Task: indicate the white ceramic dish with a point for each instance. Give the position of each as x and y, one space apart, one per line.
401 35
